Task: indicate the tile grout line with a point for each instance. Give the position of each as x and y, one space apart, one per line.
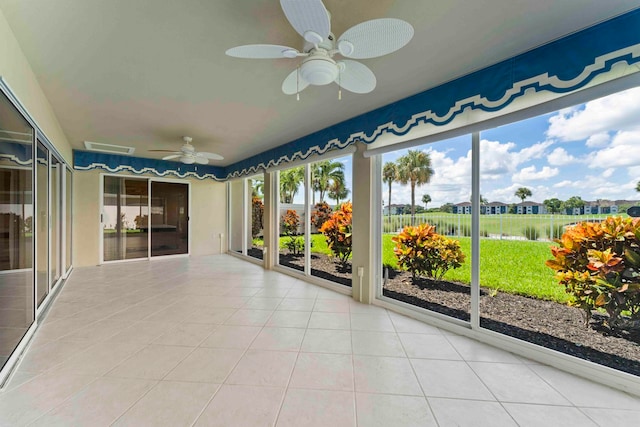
286 388
413 369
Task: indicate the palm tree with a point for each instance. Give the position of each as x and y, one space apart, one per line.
389 175
522 193
638 186
323 174
338 191
426 199
414 168
290 180
257 187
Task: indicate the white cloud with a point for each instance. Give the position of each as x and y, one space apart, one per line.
560 157
498 159
594 187
562 184
634 172
608 173
615 112
624 151
598 140
531 173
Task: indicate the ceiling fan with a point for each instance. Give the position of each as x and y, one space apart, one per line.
188 154
311 20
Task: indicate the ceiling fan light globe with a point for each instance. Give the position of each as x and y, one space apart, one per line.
187 160
319 71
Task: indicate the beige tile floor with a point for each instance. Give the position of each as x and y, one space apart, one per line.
217 341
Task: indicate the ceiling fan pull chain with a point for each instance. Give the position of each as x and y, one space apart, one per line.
339 89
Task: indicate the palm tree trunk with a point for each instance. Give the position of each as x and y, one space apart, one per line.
389 205
413 203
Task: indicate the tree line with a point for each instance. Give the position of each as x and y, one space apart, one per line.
327 179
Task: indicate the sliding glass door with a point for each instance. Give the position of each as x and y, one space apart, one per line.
56 220
16 229
136 226
42 223
125 216
169 218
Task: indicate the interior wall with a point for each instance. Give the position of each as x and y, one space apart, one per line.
17 73
207 218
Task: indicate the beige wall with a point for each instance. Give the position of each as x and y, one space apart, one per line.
17 73
207 218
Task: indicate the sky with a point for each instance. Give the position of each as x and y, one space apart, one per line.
591 150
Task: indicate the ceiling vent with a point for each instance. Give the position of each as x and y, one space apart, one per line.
108 148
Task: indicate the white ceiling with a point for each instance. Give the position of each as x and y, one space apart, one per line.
144 73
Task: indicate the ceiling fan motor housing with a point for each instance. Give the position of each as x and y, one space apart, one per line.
319 70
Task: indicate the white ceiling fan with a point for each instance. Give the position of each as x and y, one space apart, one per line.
311 20
188 154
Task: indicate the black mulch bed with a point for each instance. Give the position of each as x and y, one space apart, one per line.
321 266
545 323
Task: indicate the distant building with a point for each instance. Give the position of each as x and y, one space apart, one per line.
494 208
462 208
531 208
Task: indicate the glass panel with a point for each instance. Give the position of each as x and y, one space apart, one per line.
42 223
125 218
256 215
68 218
169 218
545 177
331 208
56 220
16 228
291 214
425 187
236 215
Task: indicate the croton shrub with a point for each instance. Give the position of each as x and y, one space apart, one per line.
598 263
321 213
289 226
337 231
423 252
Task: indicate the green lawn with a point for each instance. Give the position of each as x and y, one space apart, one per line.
514 266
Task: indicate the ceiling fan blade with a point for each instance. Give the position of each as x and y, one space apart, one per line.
356 77
374 38
294 83
164 151
308 17
201 160
262 51
171 157
211 156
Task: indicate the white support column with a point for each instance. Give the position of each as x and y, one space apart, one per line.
365 207
270 219
475 230
306 217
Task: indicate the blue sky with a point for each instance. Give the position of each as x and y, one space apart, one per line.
591 150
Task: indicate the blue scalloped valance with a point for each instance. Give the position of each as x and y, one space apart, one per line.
85 160
562 66
20 154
